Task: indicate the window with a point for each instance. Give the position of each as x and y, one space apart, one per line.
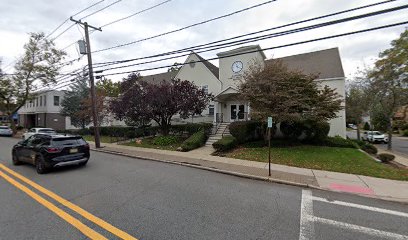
205 88
56 100
40 101
45 100
211 110
36 102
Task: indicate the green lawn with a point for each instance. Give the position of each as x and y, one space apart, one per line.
104 139
346 160
148 143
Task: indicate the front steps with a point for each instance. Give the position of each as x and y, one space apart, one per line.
222 129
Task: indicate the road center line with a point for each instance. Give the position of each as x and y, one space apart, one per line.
105 225
365 230
354 205
306 230
67 217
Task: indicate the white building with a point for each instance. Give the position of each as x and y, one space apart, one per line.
44 111
222 82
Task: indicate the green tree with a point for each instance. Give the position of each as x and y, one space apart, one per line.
388 81
110 88
38 67
287 95
176 66
356 103
72 105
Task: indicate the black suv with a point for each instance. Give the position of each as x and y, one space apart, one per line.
48 151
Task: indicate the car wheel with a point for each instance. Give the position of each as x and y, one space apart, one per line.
40 165
15 159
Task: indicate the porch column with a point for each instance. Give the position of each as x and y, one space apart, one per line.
215 111
249 111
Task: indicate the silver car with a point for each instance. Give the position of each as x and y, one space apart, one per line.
6 131
375 136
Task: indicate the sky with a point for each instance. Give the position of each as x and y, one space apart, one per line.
20 17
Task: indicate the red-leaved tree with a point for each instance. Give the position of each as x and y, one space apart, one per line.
140 102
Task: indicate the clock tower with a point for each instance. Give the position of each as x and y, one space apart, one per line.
234 63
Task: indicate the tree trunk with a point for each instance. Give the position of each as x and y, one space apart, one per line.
13 125
389 130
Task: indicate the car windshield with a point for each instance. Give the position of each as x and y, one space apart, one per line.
4 127
68 141
377 133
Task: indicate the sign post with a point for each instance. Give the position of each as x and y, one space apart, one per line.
269 143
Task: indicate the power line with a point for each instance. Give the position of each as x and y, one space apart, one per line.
136 13
110 5
272 35
66 20
199 47
271 48
186 27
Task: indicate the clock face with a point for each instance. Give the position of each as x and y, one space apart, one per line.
237 66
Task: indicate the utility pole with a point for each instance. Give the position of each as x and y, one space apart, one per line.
91 80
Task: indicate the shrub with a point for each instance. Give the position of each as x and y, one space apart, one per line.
404 126
366 126
316 131
191 128
292 130
369 148
338 142
19 128
405 133
225 143
360 143
165 140
386 157
245 131
194 141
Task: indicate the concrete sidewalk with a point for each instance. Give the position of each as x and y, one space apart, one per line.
201 158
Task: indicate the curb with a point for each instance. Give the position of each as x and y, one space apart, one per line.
249 176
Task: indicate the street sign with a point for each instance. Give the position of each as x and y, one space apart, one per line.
269 122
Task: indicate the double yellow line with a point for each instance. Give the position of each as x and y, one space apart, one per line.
87 231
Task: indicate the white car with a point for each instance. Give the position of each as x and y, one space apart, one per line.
33 131
375 136
6 131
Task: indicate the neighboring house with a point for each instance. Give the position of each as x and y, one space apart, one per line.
402 114
222 82
44 111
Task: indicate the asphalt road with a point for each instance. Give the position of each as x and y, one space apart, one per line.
152 200
399 144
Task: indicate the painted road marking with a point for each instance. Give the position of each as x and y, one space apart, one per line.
73 207
67 217
374 209
369 231
351 188
306 230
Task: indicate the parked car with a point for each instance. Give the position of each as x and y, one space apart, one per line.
33 131
352 126
6 131
48 151
374 136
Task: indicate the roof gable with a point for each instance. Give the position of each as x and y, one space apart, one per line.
213 69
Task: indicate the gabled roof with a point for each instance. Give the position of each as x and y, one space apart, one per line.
214 69
249 49
326 63
158 78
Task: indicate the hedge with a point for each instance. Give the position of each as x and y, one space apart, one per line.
338 142
225 143
405 133
246 131
165 140
194 141
369 148
386 157
314 131
191 128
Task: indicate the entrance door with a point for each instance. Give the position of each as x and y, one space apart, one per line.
237 112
